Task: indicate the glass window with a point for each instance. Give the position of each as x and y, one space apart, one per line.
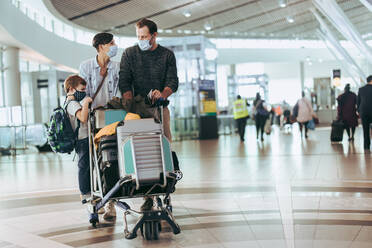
284 89
68 32
1 79
33 66
250 69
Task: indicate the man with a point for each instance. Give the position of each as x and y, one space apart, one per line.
94 71
364 104
241 115
148 69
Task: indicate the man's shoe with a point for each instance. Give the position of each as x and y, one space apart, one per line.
110 211
147 205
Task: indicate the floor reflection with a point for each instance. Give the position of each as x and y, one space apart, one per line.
285 191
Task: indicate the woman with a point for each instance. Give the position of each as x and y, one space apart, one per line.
347 111
261 114
305 113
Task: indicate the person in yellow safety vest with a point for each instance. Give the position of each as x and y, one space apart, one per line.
241 115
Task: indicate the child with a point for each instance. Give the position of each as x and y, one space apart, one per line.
77 108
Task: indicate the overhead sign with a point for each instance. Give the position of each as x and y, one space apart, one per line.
337 73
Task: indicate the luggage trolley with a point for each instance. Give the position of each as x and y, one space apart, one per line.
136 162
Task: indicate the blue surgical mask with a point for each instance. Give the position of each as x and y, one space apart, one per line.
79 95
113 51
144 45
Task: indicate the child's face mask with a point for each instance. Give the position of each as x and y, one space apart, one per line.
79 95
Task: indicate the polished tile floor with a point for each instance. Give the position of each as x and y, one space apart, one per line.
283 192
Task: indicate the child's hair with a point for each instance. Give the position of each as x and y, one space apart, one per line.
73 81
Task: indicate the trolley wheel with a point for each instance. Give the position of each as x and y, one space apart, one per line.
155 230
179 175
147 230
93 219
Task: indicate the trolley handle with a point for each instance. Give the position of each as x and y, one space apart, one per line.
161 102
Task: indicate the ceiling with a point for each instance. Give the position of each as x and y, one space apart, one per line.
213 18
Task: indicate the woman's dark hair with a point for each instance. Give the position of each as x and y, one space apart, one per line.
102 38
149 24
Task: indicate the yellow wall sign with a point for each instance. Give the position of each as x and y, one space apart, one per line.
209 106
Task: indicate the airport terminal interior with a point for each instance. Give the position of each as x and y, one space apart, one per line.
257 149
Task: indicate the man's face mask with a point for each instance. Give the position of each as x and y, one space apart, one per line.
145 45
79 95
113 51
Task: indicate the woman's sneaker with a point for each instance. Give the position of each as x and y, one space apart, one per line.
85 198
110 211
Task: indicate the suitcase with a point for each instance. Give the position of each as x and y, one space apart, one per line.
267 127
337 131
107 149
108 160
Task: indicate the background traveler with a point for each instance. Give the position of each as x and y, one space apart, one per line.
305 113
260 115
241 115
347 111
365 110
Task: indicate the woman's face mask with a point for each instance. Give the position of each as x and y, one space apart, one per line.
145 45
79 95
113 51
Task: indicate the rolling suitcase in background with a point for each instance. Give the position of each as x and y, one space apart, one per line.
337 131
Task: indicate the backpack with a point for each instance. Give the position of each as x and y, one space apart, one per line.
61 136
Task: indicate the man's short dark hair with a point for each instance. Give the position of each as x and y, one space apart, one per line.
102 38
369 78
149 24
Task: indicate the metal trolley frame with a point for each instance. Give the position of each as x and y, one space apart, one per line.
148 221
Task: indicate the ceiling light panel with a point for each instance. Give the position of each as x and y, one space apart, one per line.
71 8
256 18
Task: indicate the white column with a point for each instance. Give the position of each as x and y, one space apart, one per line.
232 69
302 75
12 84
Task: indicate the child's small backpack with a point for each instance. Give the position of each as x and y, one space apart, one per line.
61 137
